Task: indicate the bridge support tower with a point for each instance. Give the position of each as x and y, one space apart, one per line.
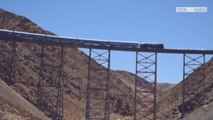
98 85
145 92
50 86
193 70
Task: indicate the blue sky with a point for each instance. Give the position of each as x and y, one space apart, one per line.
126 20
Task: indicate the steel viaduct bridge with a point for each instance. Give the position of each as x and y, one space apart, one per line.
146 67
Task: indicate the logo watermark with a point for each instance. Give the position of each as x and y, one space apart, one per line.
191 9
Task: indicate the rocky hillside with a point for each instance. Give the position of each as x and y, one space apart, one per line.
129 78
205 112
170 104
75 72
13 106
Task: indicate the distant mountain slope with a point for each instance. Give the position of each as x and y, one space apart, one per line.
129 79
13 106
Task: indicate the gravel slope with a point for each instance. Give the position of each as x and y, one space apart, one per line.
12 105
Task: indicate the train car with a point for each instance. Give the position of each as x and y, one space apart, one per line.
123 44
6 33
29 36
151 46
34 37
93 42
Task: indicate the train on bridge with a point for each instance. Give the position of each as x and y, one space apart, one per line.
79 42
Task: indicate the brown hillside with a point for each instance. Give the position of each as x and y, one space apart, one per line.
170 104
205 112
12 105
129 78
75 72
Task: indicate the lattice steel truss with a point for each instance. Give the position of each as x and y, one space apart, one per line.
145 92
98 86
50 86
194 70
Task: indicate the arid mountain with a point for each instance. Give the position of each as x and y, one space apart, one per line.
75 72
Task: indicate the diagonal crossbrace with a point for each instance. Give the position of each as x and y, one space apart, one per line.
145 95
191 63
98 90
50 91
